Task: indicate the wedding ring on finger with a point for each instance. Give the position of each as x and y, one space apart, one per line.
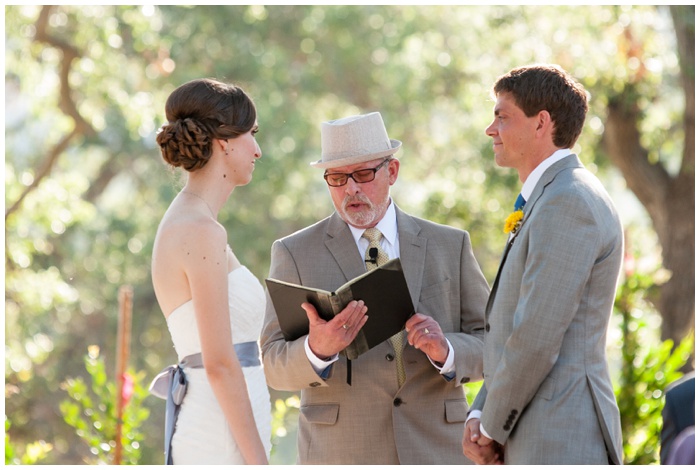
426 331
345 327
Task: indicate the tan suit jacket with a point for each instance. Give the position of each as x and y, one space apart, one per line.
373 421
547 392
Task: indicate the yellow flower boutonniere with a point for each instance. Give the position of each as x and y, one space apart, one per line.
513 222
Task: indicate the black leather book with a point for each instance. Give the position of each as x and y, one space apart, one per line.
384 291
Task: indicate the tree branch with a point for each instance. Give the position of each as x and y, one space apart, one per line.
43 170
107 172
70 53
66 104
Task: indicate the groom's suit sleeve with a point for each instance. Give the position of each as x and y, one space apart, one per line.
562 245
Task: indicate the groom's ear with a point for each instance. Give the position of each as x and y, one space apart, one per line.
545 125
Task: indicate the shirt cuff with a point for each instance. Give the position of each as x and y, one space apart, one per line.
318 364
476 414
473 414
483 432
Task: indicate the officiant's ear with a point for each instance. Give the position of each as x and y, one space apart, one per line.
393 168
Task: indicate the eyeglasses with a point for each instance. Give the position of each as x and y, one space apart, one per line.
359 176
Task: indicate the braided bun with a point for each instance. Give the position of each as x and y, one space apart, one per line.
184 144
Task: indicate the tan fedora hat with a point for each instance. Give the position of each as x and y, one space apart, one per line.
354 139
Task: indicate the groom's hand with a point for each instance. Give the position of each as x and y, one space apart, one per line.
328 338
489 454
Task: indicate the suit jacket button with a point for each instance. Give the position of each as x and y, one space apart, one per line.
314 384
514 412
506 427
397 402
488 327
389 357
464 380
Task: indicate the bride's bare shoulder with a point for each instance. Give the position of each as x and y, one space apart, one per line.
183 238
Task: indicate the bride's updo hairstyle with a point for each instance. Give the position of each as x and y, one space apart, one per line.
198 112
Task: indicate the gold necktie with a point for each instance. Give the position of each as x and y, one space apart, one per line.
374 235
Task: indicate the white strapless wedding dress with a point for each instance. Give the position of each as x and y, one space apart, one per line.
202 435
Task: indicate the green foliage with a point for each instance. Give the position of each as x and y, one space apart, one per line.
285 416
471 390
9 450
34 452
92 412
647 368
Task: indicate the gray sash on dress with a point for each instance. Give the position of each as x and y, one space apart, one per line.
171 385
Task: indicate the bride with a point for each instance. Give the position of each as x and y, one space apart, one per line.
213 305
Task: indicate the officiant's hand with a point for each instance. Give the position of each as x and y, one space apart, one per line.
424 333
328 338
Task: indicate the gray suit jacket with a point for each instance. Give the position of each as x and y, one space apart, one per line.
547 392
373 421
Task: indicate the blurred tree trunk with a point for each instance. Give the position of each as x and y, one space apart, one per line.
669 199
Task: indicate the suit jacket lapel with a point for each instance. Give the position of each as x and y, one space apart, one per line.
343 248
492 294
547 177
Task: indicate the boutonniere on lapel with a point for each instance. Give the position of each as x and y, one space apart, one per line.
513 222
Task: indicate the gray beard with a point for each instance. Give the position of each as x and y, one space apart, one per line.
368 218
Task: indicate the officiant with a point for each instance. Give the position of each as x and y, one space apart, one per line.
406 402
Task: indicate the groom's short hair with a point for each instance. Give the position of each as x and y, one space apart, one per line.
548 87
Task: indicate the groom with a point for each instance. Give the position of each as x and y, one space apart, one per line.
547 397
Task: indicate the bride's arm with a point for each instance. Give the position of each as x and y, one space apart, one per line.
206 267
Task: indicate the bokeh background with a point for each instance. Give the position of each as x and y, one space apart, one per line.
85 186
